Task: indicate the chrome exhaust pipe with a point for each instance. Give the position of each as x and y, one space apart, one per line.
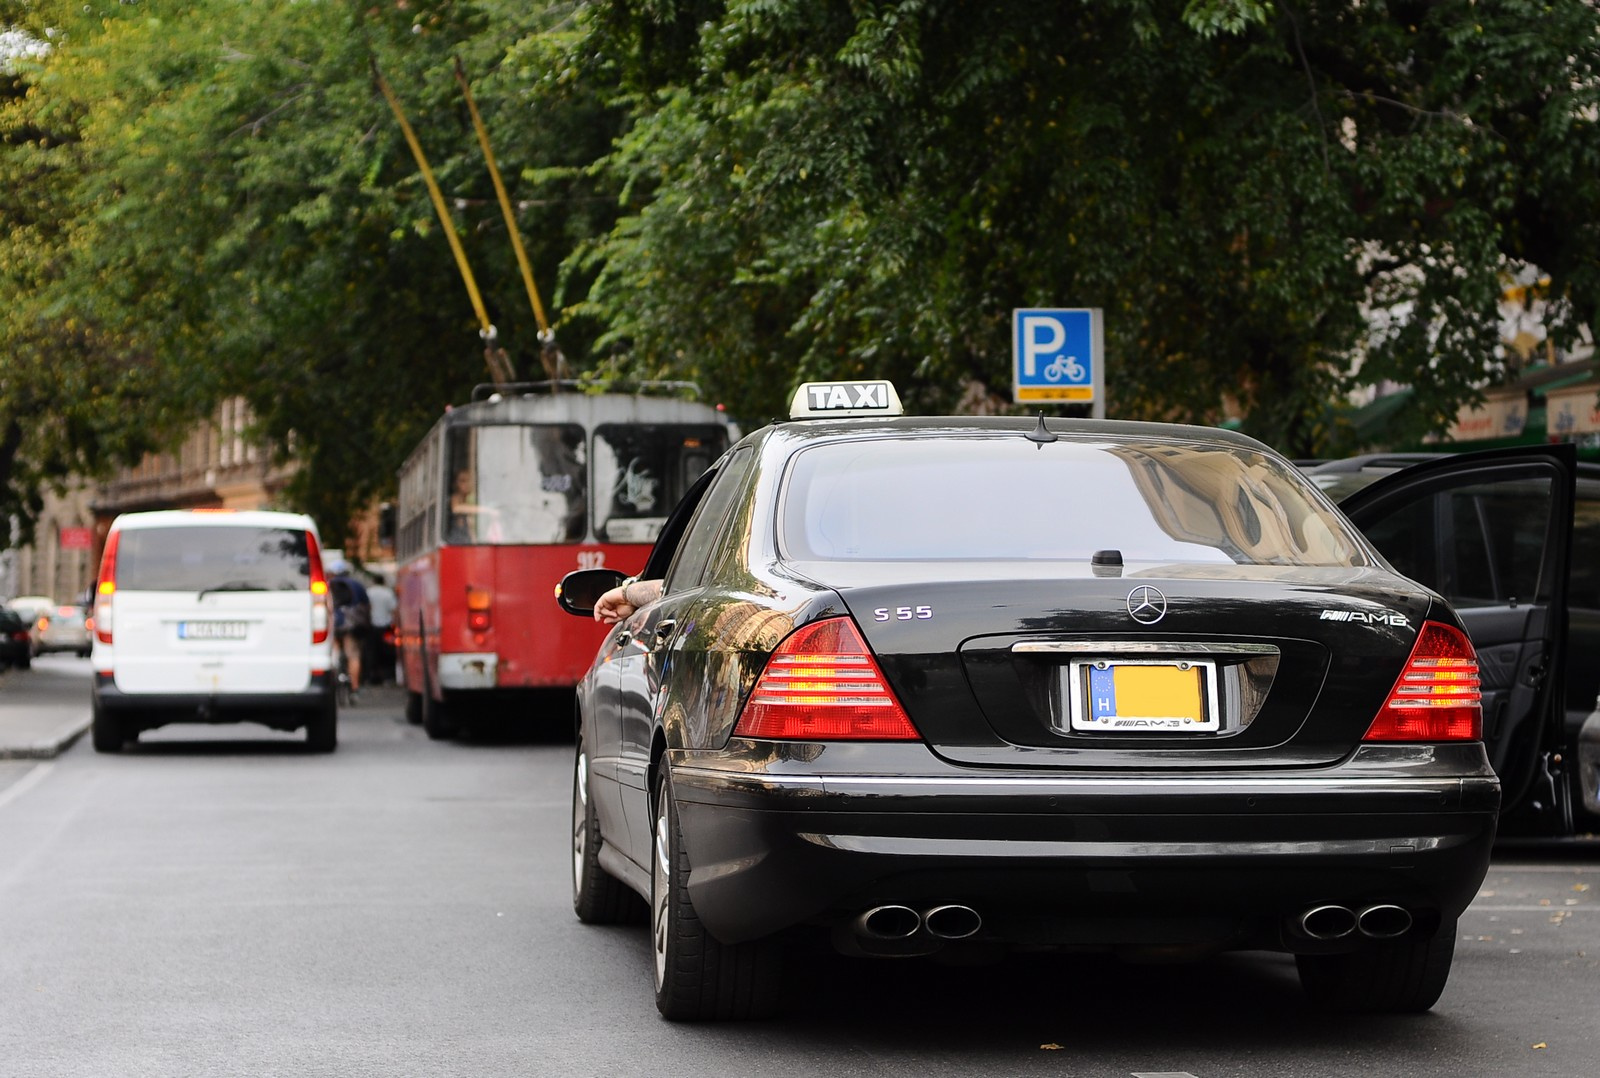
1327 922
951 922
1384 922
888 923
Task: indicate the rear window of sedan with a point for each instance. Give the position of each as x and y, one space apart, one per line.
224 558
986 497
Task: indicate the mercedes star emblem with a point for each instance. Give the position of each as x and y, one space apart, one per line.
1146 605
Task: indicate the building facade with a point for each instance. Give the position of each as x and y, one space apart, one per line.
218 466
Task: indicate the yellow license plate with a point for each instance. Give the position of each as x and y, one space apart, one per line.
1145 697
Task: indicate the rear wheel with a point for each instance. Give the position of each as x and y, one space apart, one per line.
322 731
1394 976
105 730
598 898
698 977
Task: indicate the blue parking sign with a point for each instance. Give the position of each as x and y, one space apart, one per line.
1057 355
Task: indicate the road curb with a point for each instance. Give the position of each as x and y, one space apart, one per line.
47 749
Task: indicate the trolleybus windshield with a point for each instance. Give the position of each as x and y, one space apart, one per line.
516 483
642 469
534 483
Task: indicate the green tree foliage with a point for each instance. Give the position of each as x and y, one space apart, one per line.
871 187
212 198
1273 202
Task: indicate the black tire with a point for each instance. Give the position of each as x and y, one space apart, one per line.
414 708
105 731
436 721
697 977
1393 976
598 898
25 662
322 730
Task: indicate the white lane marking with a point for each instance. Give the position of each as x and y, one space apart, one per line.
25 783
1162 1074
1535 909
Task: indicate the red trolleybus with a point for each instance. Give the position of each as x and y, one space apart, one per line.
505 496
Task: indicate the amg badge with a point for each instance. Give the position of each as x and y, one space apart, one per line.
1385 618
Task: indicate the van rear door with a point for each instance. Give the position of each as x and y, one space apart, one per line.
213 608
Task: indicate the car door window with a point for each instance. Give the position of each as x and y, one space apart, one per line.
1583 589
1477 546
701 537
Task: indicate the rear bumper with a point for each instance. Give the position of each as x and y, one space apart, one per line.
1084 859
47 644
288 711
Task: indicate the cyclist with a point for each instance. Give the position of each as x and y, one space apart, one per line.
352 618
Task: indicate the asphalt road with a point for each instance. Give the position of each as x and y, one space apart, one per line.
217 901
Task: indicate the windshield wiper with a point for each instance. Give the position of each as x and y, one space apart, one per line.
232 585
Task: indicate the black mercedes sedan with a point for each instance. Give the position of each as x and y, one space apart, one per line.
965 685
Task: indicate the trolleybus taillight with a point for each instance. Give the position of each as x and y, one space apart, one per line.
478 604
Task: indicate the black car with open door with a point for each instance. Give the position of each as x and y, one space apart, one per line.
1511 537
964 685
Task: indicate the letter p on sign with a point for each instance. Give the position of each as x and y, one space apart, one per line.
1042 335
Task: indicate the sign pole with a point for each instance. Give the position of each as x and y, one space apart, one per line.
1097 331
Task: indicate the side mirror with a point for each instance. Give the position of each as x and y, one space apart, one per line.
580 589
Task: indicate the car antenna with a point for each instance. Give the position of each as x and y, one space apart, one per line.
1041 434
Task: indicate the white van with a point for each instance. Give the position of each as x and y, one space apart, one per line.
213 616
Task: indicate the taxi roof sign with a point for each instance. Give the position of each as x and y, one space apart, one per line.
814 400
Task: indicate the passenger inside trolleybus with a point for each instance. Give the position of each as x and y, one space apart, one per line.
469 521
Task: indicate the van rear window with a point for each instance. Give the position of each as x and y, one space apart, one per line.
226 559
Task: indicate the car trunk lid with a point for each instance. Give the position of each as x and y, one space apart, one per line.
1282 666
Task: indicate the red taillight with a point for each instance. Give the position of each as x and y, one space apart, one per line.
1437 697
479 603
105 587
321 601
822 684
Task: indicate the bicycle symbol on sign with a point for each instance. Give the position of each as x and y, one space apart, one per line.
1064 365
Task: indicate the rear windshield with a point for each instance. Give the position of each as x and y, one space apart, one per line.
984 497
228 559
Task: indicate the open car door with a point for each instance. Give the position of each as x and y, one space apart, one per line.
1492 533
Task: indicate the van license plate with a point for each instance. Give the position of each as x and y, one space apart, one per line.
212 630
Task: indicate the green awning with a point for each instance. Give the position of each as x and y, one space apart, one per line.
1369 420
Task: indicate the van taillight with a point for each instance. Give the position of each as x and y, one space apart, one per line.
822 684
479 603
1437 696
105 587
321 600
